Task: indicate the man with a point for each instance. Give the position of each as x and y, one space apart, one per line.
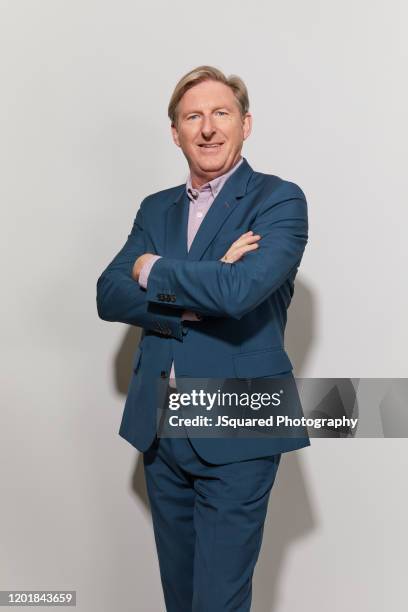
208 272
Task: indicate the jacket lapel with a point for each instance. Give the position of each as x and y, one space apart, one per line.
176 227
177 219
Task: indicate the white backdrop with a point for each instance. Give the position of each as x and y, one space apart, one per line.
85 136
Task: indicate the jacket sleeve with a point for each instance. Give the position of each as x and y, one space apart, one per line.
232 290
120 298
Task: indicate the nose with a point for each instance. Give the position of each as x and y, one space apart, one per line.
207 126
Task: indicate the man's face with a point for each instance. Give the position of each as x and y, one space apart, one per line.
210 130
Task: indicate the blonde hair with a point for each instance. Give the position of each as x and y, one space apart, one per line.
205 73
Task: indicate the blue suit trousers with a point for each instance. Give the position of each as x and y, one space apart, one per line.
208 524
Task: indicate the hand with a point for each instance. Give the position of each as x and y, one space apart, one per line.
137 266
245 243
189 315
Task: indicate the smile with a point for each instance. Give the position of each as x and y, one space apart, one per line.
211 147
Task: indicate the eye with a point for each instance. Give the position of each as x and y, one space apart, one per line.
191 117
222 112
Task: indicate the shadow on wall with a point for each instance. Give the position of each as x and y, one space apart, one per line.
123 372
290 516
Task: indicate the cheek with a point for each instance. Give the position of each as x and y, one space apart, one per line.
189 148
233 132
238 135
187 138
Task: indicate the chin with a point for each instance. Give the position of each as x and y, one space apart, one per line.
212 164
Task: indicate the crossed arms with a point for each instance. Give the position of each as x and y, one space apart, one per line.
211 288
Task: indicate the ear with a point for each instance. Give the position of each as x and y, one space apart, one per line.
175 135
247 125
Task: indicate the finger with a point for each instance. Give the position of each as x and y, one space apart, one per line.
243 250
252 238
248 247
234 255
246 240
241 243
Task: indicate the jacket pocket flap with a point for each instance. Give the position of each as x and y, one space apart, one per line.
261 363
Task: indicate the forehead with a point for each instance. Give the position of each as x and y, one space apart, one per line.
207 94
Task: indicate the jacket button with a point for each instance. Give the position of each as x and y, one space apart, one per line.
163 374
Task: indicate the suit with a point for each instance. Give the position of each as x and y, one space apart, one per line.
208 496
244 304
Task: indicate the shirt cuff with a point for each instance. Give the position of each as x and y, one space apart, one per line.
145 270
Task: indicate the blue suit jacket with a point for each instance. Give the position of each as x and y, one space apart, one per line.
244 304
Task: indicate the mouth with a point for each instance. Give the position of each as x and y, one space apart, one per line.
211 147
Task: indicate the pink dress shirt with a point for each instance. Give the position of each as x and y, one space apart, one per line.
200 202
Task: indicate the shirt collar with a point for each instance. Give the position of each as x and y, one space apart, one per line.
214 186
